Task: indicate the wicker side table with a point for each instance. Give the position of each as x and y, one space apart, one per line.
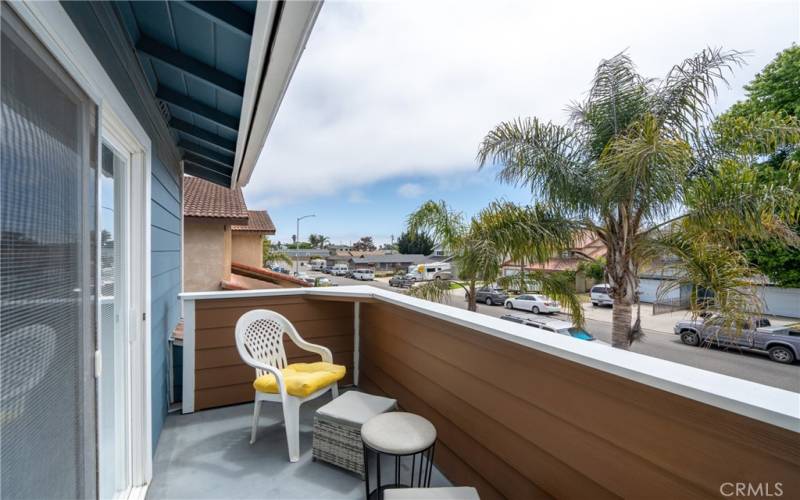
337 428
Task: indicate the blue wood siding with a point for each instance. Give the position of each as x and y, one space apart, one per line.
100 25
165 274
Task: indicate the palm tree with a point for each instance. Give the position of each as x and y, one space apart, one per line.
318 240
629 168
480 246
268 254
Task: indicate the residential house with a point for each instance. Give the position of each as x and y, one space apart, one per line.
301 257
223 241
105 105
388 263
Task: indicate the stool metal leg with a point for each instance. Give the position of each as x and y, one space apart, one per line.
430 465
366 472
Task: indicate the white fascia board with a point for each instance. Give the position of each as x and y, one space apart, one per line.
263 97
772 405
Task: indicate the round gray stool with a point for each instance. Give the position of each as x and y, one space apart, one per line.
399 435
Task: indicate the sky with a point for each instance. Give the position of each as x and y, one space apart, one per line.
391 99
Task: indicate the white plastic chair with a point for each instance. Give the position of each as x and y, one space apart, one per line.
259 340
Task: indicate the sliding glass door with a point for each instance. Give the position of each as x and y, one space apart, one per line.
48 274
114 382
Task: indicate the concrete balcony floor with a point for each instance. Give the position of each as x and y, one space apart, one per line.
208 455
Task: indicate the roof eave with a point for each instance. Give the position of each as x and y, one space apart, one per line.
279 38
224 220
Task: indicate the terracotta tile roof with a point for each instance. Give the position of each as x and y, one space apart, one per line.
177 333
258 221
260 273
239 282
205 199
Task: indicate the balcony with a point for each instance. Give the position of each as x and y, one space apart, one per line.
520 413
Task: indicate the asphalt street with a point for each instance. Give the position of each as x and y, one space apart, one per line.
741 364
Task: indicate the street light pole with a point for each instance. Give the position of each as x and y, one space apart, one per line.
297 243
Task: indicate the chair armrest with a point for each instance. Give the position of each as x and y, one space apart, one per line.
323 351
269 369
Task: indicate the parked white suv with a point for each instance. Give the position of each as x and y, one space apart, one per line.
339 269
599 295
364 274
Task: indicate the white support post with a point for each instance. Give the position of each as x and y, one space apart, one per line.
356 340
187 405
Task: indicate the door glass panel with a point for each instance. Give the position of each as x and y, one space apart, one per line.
113 397
47 274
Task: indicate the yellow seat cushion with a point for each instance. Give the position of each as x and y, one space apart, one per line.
302 379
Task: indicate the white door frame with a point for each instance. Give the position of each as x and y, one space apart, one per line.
55 30
117 134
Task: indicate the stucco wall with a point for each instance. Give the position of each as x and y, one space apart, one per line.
246 248
206 255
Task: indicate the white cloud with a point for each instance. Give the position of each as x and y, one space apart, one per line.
390 89
410 190
357 196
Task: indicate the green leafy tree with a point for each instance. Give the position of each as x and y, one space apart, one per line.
632 158
415 243
365 244
269 254
594 269
775 88
772 95
479 247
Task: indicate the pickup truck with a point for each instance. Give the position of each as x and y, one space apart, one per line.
780 343
402 280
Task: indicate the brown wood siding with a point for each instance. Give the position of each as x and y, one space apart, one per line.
221 378
519 423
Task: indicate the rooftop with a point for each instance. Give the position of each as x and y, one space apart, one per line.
205 199
258 221
414 258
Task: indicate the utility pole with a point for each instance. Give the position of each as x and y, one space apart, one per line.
297 243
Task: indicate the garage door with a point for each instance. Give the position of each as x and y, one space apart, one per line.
648 288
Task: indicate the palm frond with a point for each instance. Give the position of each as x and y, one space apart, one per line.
617 98
434 291
733 204
683 99
530 233
749 138
542 156
445 225
644 170
720 277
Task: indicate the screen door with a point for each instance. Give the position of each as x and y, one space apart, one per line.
48 273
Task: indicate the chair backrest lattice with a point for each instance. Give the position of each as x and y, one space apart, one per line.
261 333
259 341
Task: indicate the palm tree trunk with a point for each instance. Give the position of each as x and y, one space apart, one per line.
472 304
621 323
622 277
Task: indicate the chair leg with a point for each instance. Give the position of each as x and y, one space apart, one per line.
256 410
291 419
335 390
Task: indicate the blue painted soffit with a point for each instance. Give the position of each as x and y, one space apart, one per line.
194 55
